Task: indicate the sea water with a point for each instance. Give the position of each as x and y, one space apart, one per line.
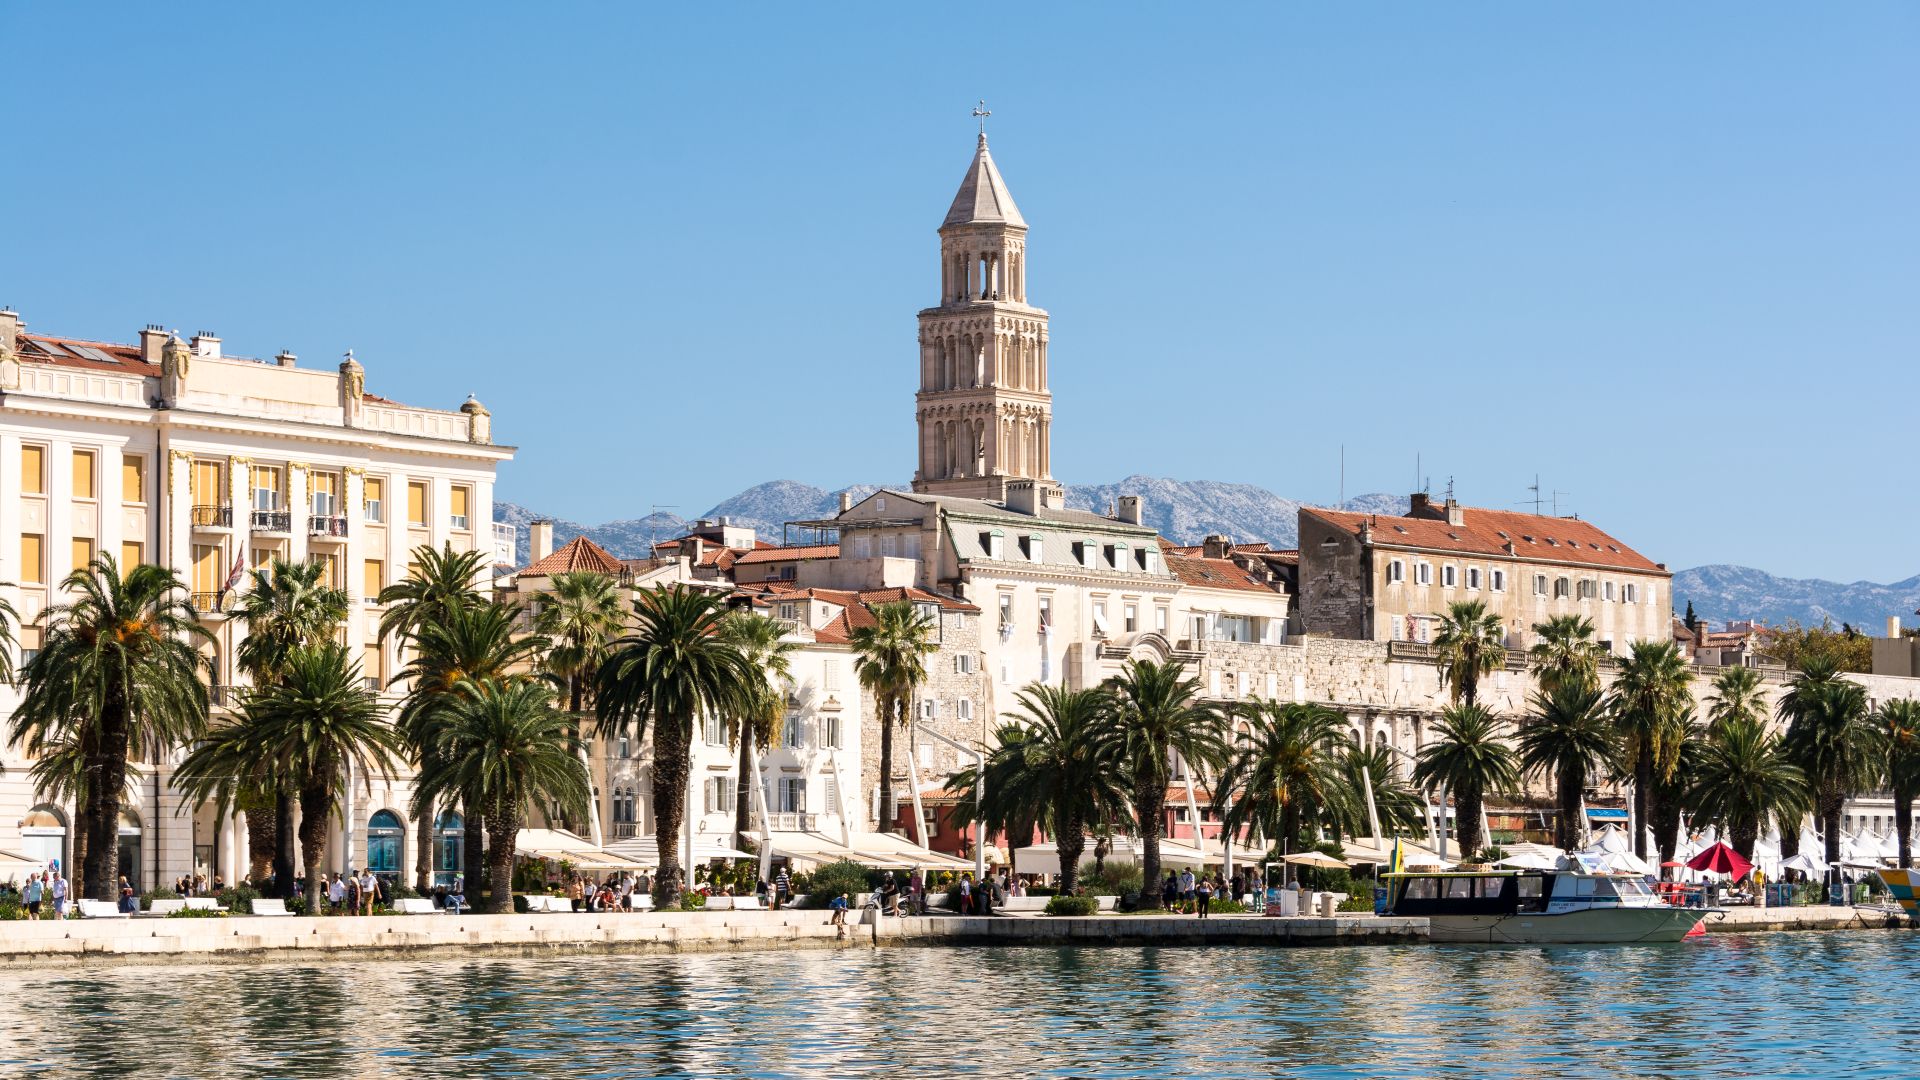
1797 1004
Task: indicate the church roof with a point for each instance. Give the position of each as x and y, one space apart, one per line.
575 555
983 196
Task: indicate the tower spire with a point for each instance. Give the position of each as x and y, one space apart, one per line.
981 112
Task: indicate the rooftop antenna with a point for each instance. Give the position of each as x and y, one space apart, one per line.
1449 489
1535 488
1556 500
653 527
981 112
1343 477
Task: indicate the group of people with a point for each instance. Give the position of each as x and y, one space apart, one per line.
1190 893
46 893
198 885
355 894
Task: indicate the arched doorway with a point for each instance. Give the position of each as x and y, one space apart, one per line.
449 847
130 849
386 845
43 836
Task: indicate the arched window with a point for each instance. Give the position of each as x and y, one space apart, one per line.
449 847
386 843
43 836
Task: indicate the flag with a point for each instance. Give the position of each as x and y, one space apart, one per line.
233 578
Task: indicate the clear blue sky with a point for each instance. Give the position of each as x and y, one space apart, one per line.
1667 257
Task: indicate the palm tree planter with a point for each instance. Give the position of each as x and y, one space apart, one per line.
1160 713
118 674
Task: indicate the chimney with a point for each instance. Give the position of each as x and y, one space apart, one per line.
286 358
1216 547
693 547
10 325
1455 515
1893 628
1023 496
846 501
1130 509
1418 505
539 541
205 344
152 340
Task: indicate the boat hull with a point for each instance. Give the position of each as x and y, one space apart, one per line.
1905 887
1593 926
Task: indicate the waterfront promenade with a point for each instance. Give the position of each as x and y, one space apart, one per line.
245 938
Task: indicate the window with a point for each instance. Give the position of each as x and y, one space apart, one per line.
449 847
1033 547
373 578
833 796
33 470
1397 627
963 664
417 503
1422 573
1130 617
1396 571
82 552
373 665
1473 577
1499 581
964 708
830 675
83 461
373 499
206 568
329 569
33 559
1085 551
1607 591
829 732
1006 611
1562 588
1160 619
133 479
325 494
625 746
460 507
1448 576
209 483
862 546
721 794
267 482
1629 592
928 709
1100 617
1046 611
793 795
712 732
1539 584
993 543
1588 589
132 554
793 734
1122 558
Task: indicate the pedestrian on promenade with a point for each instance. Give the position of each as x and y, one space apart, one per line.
1186 889
839 907
336 892
368 889
966 894
916 893
129 903
59 891
1170 891
34 891
782 888
577 892
1202 897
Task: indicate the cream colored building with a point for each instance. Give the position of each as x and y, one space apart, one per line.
174 453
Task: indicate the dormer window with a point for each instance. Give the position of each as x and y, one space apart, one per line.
993 543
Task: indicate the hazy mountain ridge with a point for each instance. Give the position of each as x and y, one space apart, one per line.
1187 511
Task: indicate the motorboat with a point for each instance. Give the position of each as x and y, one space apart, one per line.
1577 904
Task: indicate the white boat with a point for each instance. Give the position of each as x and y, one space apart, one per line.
1529 907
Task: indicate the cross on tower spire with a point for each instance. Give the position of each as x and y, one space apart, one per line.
981 112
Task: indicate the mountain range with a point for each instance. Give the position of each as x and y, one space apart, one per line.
1187 511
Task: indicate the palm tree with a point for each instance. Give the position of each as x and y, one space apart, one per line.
1160 713
1471 643
1832 740
1652 690
581 617
1470 759
1396 803
1671 788
1744 777
287 607
436 584
9 619
673 667
504 748
890 660
464 644
1289 772
1057 764
1899 720
1737 697
762 642
1570 739
1566 653
312 728
118 674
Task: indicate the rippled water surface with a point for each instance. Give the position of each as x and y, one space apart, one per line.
1764 1005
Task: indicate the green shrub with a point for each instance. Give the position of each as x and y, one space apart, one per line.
1115 879
296 905
147 898
520 904
1072 905
400 890
202 913
829 881
11 908
693 901
1358 903
1042 890
239 899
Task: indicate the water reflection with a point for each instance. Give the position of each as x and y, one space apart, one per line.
1784 1004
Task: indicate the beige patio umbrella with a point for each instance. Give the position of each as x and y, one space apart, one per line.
1314 858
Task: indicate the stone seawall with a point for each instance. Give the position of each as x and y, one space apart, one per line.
1152 930
1758 920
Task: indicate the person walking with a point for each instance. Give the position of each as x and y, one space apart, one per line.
336 892
1186 889
577 892
782 888
59 892
36 889
1202 897
369 888
1170 891
916 893
966 894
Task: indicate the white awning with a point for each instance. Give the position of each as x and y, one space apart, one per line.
646 851
881 851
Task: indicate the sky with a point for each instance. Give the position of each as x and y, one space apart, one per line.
1665 257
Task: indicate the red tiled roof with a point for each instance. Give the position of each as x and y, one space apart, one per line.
125 359
1497 533
578 553
790 554
1215 574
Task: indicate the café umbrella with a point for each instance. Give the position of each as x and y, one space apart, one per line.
1721 859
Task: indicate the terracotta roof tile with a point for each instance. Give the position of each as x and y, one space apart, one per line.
1497 532
66 352
790 554
1215 574
578 553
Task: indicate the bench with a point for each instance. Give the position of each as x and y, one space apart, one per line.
720 903
203 903
415 905
1025 903
745 903
642 901
273 907
548 904
99 909
166 907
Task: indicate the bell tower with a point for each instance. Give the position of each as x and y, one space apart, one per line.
983 409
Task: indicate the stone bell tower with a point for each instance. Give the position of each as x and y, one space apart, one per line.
983 408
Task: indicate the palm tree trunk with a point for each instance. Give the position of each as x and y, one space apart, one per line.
1150 803
1830 807
1744 836
79 857
1642 800
261 840
314 819
1070 843
742 817
473 845
1789 839
423 850
1565 833
107 769
884 706
1467 802
504 822
1903 824
283 837
670 768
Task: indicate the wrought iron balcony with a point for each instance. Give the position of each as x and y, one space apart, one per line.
207 603
276 521
212 517
333 526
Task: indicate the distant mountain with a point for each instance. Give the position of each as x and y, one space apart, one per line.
1187 511
1719 593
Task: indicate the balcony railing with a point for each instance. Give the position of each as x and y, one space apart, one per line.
212 517
794 822
335 526
279 521
222 695
207 603
626 830
373 683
